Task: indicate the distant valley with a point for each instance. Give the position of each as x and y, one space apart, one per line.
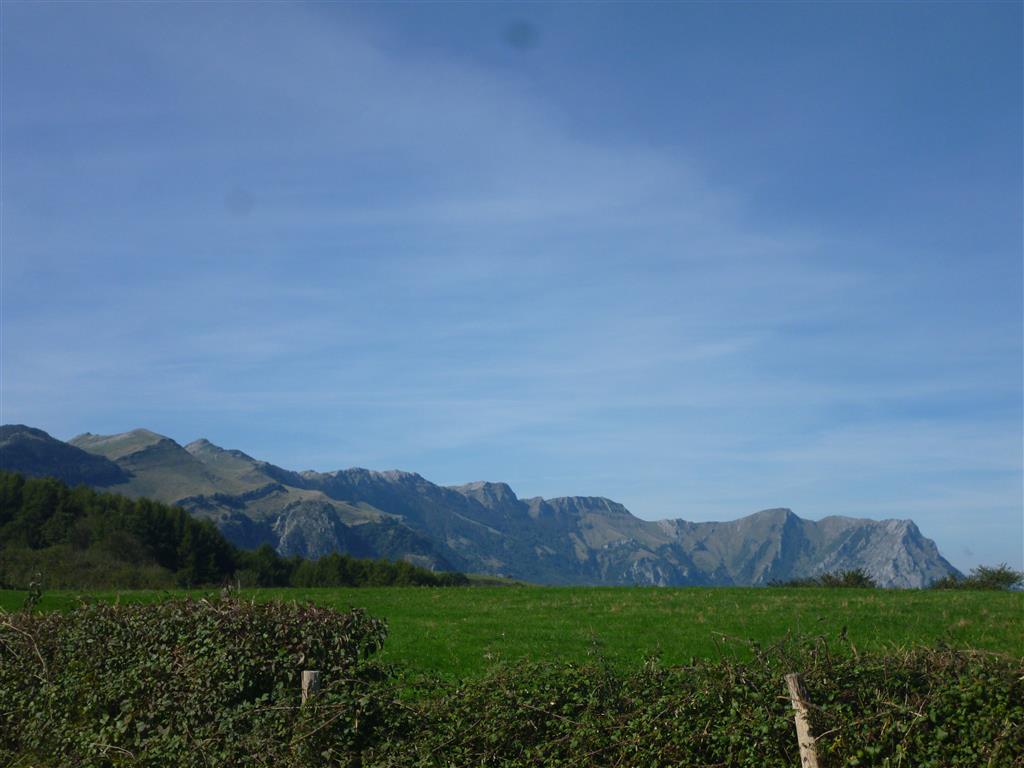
480 527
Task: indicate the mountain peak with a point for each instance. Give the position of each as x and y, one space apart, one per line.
388 475
122 444
34 452
204 446
487 493
775 513
580 505
204 450
7 431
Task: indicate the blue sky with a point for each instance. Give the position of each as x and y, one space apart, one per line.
703 259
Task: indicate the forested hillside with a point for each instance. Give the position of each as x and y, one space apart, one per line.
78 537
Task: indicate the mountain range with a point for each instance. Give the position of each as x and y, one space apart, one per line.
480 527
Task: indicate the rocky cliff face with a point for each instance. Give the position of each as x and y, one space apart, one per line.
480 527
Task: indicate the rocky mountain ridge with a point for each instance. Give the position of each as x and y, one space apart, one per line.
479 527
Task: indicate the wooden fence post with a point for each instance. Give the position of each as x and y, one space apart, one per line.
804 737
310 683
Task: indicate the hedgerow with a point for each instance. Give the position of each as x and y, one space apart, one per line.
926 707
197 683
186 683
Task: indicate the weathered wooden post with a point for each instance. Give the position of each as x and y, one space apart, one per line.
310 683
804 737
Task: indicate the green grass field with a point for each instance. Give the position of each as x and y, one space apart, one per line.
461 632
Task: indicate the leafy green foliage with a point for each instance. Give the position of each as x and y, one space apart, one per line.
77 537
1000 577
855 579
72 534
196 683
185 683
920 707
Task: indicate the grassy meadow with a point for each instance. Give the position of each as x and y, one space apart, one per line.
461 632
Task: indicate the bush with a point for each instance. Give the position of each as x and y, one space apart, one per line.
185 682
855 579
1001 577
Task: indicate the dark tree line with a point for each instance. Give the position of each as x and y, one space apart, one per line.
78 537
854 579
